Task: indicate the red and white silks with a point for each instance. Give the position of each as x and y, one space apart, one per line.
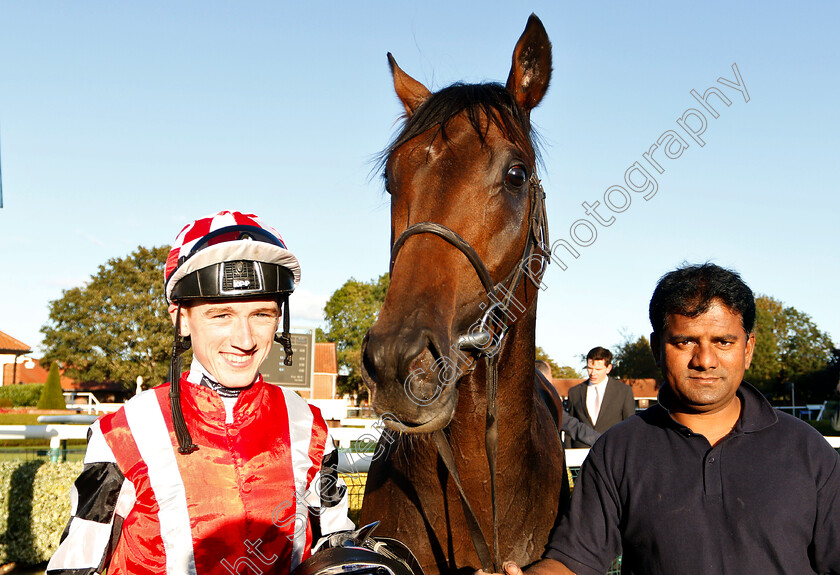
238 504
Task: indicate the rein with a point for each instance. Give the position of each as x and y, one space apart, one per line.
536 243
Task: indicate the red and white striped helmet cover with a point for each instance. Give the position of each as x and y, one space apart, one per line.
224 248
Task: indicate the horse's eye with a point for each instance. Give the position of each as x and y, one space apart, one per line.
387 185
516 177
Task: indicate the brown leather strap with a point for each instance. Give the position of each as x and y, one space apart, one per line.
453 238
491 444
479 541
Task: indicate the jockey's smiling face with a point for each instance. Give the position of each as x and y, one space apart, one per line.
231 338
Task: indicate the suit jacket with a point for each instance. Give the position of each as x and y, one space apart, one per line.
578 431
618 404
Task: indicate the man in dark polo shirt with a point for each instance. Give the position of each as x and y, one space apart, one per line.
712 480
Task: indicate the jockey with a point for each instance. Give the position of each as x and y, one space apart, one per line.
217 470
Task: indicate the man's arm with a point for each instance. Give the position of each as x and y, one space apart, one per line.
826 541
578 430
101 498
542 567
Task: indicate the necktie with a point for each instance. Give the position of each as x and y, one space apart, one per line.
597 406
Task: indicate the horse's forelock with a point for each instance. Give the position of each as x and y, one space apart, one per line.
478 101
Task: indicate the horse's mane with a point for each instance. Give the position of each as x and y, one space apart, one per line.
478 101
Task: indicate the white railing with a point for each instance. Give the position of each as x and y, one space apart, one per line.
363 431
91 405
56 433
53 432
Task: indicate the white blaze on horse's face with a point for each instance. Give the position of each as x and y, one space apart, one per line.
461 165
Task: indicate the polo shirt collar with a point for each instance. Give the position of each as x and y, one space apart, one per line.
756 411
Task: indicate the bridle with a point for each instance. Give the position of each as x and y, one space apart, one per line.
537 243
479 342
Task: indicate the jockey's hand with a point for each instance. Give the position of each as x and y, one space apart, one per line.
509 568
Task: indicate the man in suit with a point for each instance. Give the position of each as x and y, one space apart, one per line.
601 401
571 426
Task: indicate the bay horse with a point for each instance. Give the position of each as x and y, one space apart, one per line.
473 460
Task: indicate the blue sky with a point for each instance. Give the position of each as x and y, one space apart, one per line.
120 122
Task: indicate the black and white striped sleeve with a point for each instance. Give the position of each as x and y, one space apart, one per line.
328 495
100 499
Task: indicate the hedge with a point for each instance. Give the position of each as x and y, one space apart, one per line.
51 395
22 395
34 508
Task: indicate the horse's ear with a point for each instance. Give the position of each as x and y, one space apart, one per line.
531 68
410 91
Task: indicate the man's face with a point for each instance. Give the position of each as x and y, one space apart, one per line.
231 339
597 370
703 358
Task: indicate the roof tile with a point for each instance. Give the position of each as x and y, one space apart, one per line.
8 344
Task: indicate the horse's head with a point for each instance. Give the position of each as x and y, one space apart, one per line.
461 175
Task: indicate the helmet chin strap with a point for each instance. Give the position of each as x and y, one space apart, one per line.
285 339
179 346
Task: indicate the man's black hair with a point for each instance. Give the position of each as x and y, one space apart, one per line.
690 291
600 353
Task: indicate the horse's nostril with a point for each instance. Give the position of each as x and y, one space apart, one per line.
368 365
420 383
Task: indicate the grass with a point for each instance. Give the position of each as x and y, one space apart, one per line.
18 418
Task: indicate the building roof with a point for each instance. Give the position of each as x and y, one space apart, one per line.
8 344
563 385
31 372
640 387
644 387
325 358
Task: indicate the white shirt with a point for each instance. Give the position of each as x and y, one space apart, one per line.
595 398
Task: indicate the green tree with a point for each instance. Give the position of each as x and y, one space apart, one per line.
557 371
566 372
115 327
350 312
633 359
790 349
51 395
